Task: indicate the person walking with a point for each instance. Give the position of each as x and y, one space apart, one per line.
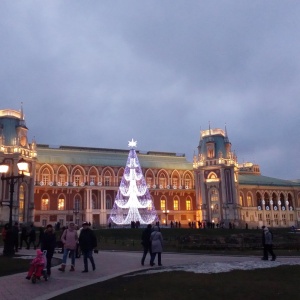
41 233
268 244
156 245
146 242
32 237
263 241
87 242
69 239
23 237
48 243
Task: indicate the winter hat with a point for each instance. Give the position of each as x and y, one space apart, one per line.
39 252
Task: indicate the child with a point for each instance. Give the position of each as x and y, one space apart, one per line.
37 265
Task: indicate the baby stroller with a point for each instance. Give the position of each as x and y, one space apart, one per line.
38 267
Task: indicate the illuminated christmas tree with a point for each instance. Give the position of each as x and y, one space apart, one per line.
133 202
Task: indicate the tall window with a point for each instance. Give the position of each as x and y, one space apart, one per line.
241 199
175 204
61 204
108 203
214 195
107 179
249 200
77 205
45 203
149 181
162 181
188 204
62 178
187 182
46 176
163 204
175 182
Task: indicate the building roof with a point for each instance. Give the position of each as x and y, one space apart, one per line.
264 180
109 157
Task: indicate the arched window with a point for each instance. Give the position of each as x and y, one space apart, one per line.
163 204
188 181
45 205
188 204
249 200
61 202
258 199
108 202
46 176
78 178
290 200
107 178
162 180
176 204
241 198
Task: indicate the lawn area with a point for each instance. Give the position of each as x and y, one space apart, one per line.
12 265
273 283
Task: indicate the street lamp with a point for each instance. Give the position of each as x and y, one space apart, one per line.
12 180
166 212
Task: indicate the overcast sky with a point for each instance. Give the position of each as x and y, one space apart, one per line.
98 73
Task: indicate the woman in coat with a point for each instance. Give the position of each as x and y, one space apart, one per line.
69 239
156 245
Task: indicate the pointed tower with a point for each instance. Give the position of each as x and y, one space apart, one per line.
216 171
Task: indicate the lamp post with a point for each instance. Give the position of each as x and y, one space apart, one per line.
166 212
12 180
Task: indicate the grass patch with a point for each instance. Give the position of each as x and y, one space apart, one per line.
12 265
274 283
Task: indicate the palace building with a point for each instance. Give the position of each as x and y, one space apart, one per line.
67 183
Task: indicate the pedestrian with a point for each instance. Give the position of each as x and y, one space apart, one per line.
32 237
15 231
41 233
48 243
146 242
69 239
156 245
87 242
36 265
23 237
268 244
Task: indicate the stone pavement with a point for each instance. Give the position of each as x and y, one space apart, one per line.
109 264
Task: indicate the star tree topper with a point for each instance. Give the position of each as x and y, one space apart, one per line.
132 143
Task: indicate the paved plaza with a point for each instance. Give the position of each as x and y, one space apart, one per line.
110 264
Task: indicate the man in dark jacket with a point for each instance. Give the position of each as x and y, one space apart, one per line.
23 237
87 242
48 242
32 237
146 242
